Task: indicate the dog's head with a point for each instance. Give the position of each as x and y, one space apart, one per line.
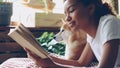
63 34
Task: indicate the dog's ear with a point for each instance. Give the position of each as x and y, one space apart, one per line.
63 21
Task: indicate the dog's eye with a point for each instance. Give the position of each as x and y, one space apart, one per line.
62 30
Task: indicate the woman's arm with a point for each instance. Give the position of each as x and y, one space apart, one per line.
109 54
86 57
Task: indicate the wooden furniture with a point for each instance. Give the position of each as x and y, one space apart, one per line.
9 48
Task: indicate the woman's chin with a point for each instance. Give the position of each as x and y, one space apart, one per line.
73 28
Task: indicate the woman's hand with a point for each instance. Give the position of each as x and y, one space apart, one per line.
41 62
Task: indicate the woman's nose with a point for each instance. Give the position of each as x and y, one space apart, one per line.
68 18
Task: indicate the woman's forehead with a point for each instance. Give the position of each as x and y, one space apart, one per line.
68 3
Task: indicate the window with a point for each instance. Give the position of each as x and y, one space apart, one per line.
59 6
26 15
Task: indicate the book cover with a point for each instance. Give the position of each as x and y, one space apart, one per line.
26 39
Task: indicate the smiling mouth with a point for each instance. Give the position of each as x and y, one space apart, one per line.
71 24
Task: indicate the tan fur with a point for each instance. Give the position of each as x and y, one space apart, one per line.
75 42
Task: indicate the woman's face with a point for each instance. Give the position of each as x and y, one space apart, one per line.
77 15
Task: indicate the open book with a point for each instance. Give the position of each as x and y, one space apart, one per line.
27 40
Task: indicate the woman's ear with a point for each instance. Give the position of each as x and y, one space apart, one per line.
91 9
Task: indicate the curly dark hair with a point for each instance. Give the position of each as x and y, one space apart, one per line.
101 8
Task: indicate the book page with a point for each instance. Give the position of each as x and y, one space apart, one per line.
31 37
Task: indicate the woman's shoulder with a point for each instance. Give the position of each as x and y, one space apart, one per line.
109 17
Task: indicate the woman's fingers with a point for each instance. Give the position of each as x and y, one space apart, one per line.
31 55
38 61
27 50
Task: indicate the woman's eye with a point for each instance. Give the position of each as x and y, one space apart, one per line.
71 9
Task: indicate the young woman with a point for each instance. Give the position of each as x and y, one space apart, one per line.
103 35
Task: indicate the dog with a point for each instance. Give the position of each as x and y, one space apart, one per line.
75 41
